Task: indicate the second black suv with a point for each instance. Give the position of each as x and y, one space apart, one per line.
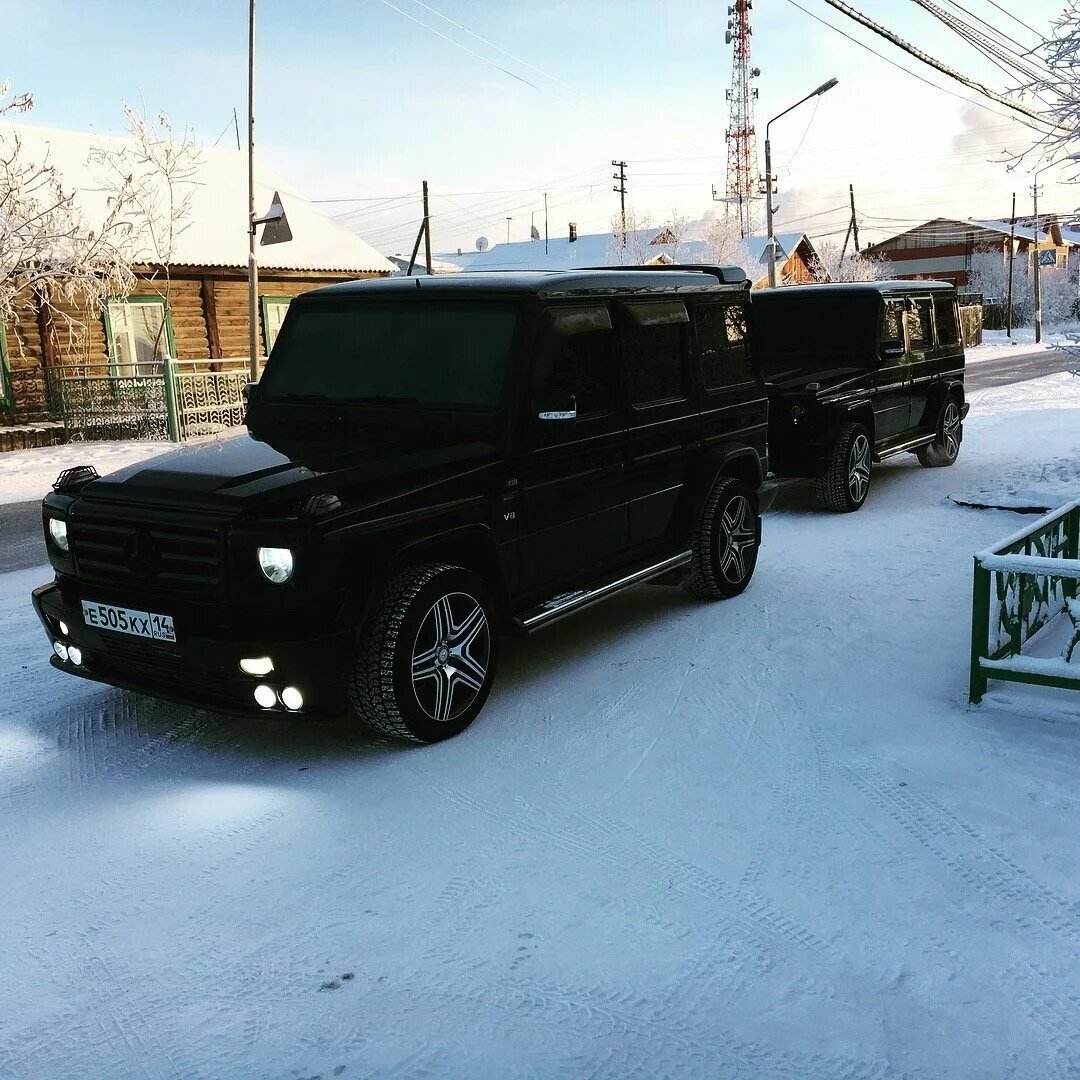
427 464
858 373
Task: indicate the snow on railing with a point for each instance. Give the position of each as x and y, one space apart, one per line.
1020 586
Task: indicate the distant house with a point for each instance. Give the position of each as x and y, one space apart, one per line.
796 261
206 315
942 249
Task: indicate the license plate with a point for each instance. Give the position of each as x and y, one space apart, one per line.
144 624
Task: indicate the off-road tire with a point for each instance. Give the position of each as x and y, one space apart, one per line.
724 547
839 489
382 692
945 449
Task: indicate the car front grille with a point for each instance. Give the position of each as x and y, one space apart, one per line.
173 557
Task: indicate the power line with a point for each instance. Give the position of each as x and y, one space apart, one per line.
930 61
899 67
1025 25
499 48
472 52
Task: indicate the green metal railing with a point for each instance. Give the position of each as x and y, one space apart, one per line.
167 399
1019 586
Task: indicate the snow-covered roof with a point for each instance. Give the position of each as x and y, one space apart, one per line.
599 249
438 266
217 232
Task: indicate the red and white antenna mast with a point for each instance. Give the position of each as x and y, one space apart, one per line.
741 184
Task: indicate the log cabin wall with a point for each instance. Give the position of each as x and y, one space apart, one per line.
209 311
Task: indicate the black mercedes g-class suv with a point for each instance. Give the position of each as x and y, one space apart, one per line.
427 464
857 373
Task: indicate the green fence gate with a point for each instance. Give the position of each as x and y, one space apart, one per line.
1020 587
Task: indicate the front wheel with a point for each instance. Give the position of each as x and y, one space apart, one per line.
945 449
724 547
425 661
845 485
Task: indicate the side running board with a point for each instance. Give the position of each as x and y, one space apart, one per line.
903 448
559 607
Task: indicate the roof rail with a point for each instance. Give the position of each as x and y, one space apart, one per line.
726 275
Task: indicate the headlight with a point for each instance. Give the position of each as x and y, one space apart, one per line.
58 532
276 564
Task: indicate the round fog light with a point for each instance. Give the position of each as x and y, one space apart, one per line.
75 654
292 699
265 696
60 649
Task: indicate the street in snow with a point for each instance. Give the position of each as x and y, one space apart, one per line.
766 838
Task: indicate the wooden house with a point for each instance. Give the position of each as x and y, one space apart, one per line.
195 308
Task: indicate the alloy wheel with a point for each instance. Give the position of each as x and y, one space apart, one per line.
950 430
859 468
450 656
737 539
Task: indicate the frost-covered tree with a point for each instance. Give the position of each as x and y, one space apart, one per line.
990 276
48 251
725 246
1059 87
833 264
157 167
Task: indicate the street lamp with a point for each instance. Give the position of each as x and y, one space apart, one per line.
769 176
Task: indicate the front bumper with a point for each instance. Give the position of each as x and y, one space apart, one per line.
201 669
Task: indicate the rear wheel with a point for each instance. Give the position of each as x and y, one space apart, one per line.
945 449
724 547
426 659
845 485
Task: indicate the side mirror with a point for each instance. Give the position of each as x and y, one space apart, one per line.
249 391
555 405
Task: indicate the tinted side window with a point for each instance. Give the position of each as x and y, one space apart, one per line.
722 342
919 327
581 358
945 314
584 366
654 352
892 330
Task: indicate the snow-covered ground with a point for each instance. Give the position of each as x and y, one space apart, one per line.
996 344
763 838
28 474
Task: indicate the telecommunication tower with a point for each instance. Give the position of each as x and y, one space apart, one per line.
740 187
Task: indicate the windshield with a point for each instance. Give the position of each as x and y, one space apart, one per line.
815 332
406 352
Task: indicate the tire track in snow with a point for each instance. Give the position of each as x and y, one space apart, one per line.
966 852
1055 1010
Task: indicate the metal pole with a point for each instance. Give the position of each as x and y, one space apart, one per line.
1038 290
1012 255
545 224
508 220
253 268
854 220
769 212
427 231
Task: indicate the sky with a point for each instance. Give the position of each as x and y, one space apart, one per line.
357 102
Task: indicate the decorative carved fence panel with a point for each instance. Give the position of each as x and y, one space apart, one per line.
94 402
172 399
1020 585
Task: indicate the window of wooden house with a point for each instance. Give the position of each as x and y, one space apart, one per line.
139 334
273 312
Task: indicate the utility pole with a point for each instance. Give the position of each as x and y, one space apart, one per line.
620 187
427 230
1012 255
253 267
545 224
854 220
770 180
1038 265
424 234
508 220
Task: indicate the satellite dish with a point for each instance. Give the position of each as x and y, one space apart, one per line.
482 243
